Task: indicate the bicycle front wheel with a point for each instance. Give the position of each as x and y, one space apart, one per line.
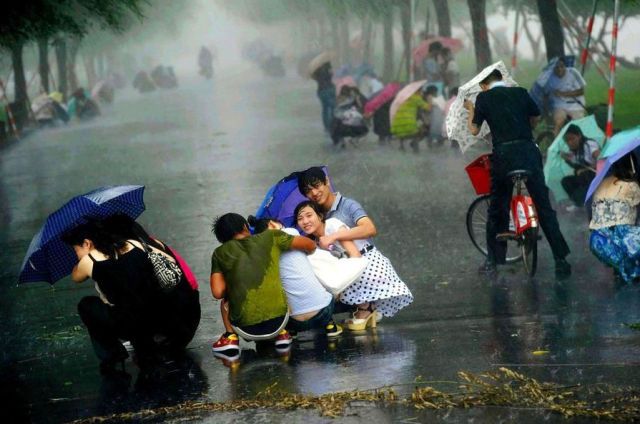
529 249
477 216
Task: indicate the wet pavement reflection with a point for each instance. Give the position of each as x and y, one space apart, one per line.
209 148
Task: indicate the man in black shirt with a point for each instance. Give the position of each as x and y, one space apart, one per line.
511 113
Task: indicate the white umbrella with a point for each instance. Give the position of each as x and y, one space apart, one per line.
318 61
457 117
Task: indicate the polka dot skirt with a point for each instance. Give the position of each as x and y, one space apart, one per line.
380 284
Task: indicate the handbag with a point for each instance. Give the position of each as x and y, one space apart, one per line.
336 274
167 273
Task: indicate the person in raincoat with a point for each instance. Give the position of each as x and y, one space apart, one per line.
565 89
406 124
582 156
615 235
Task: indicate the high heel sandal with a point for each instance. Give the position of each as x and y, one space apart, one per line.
355 324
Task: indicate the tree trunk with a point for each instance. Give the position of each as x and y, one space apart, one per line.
74 46
551 28
444 19
43 63
61 60
20 83
90 68
335 40
388 45
405 19
477 10
345 57
535 43
366 39
322 27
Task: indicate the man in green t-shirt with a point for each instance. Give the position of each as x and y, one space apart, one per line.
245 272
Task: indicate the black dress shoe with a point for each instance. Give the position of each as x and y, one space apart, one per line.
488 268
563 268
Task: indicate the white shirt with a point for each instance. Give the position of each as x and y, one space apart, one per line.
304 292
332 225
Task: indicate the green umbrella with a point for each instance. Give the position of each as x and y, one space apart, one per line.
556 168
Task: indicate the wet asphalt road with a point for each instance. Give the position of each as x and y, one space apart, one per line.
212 147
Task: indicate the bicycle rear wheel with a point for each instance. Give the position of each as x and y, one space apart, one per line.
529 249
477 229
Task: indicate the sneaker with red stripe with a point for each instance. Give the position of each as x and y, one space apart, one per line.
226 342
283 339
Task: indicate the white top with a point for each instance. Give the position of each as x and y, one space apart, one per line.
572 80
588 148
304 292
332 225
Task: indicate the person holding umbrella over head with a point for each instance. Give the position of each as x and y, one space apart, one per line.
320 71
510 114
116 252
615 237
582 156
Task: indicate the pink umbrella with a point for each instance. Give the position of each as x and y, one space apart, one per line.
403 95
386 94
420 52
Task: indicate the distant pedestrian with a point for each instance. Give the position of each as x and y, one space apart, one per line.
326 93
406 125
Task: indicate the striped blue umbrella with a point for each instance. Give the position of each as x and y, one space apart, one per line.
48 258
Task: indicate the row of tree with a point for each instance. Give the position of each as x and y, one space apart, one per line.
558 19
62 24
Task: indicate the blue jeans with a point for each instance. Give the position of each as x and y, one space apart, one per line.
327 98
319 320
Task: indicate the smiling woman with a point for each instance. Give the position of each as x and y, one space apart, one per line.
379 290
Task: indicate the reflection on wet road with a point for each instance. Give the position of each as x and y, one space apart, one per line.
209 148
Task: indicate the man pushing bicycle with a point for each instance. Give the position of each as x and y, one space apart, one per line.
511 113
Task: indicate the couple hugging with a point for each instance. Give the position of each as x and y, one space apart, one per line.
268 284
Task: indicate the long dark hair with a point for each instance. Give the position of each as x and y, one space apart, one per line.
626 168
313 205
109 235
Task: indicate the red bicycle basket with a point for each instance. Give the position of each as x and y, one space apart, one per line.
479 174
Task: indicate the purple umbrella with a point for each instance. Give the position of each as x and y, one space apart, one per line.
619 145
48 258
282 198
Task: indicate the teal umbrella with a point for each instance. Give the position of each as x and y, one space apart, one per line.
555 169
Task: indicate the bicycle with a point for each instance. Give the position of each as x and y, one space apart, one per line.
522 236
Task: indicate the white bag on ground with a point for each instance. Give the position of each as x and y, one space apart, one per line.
336 274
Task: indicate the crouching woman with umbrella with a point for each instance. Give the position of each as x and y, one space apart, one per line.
115 253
